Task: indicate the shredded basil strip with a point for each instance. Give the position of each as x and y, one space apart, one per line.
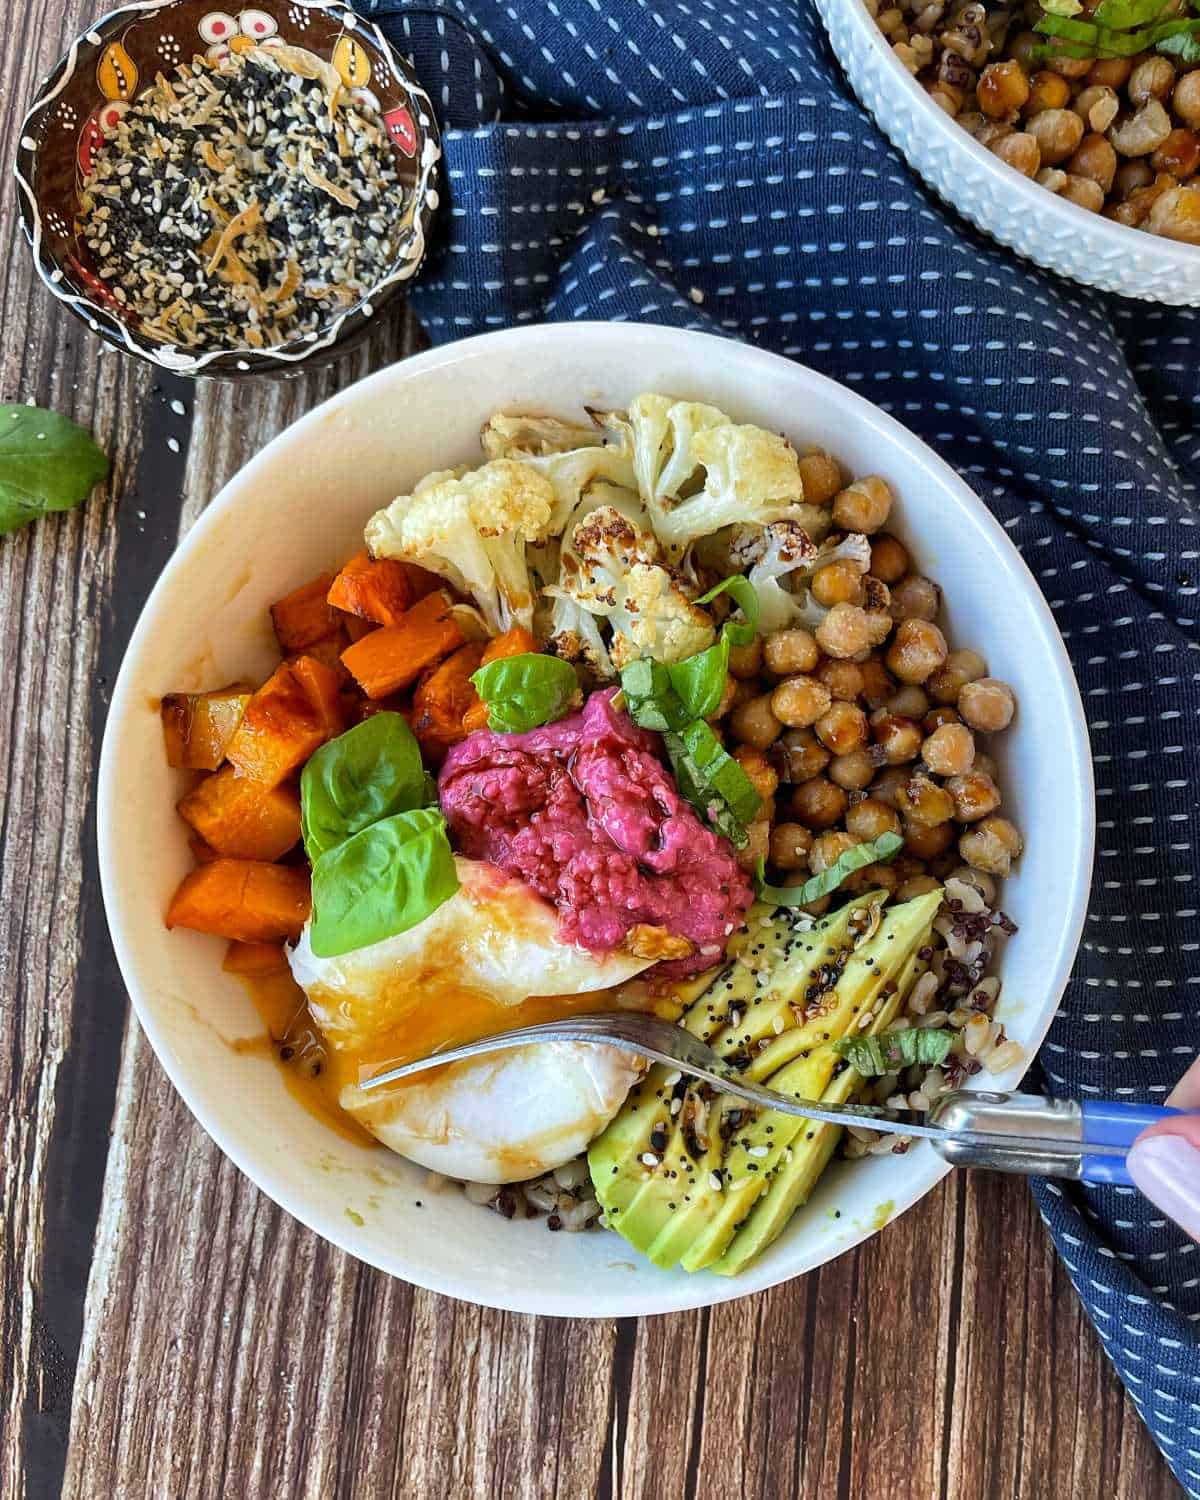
704 797
651 698
526 691
381 882
746 599
1119 28
889 1051
359 778
722 772
877 852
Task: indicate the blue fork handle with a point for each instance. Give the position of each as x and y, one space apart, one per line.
1108 1122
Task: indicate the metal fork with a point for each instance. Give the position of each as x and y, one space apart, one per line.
1006 1132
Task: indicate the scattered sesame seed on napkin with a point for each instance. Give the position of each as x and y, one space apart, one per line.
706 165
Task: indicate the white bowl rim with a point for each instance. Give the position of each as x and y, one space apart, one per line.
1005 179
699 1290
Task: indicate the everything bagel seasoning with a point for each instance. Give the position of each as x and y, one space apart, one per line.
243 205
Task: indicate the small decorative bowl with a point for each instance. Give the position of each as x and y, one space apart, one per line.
80 104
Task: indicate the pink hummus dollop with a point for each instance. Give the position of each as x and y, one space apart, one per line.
586 812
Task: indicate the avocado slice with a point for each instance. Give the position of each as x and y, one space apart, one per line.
678 1183
795 1176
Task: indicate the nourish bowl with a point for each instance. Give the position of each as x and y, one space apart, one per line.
298 510
224 194
1039 221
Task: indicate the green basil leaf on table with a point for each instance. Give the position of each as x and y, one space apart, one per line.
47 463
381 881
889 1051
524 692
359 778
877 852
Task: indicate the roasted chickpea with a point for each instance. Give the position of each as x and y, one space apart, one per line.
1152 78
915 598
923 803
1179 154
828 848
928 840
788 651
842 727
754 724
1058 133
799 701
898 738
889 558
855 770
959 668
871 819
799 756
837 583
1111 72
888 785
985 765
991 846
873 878
818 803
1071 67
758 846
975 795
909 702
821 477
878 684
984 884
744 689
1020 151
790 844
949 750
1186 99
844 679
845 632
1003 88
1046 91
917 650
914 886
1096 160
760 773
747 661
864 505
728 697
1083 191
936 717
987 704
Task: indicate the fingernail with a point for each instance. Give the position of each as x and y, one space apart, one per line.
1167 1169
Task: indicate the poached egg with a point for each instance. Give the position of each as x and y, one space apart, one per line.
489 959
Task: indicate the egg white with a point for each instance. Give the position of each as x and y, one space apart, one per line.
493 944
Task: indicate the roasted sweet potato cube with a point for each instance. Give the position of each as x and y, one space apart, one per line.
294 712
442 699
241 818
356 627
243 899
198 726
377 589
202 853
254 960
329 653
514 642
304 616
394 656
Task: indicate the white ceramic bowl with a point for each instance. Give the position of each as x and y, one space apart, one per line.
1056 234
298 508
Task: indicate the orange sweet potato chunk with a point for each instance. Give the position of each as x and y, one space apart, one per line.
294 712
304 616
197 727
241 818
243 899
443 697
328 651
394 656
514 642
254 960
376 589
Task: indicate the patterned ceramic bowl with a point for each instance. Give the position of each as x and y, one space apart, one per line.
1056 234
79 108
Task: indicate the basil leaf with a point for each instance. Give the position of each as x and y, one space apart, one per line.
877 852
1062 7
1120 14
381 881
651 698
47 463
362 776
721 772
707 801
889 1051
746 599
699 680
524 692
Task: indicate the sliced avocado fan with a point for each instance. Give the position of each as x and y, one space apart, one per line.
682 1171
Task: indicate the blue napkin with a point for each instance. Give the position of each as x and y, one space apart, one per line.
708 167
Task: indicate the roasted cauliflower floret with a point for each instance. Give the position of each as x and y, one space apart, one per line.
784 549
612 569
517 436
473 529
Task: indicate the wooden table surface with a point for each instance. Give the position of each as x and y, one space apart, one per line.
167 1332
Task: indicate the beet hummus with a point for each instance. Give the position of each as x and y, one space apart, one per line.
585 811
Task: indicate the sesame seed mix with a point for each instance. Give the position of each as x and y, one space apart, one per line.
243 204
